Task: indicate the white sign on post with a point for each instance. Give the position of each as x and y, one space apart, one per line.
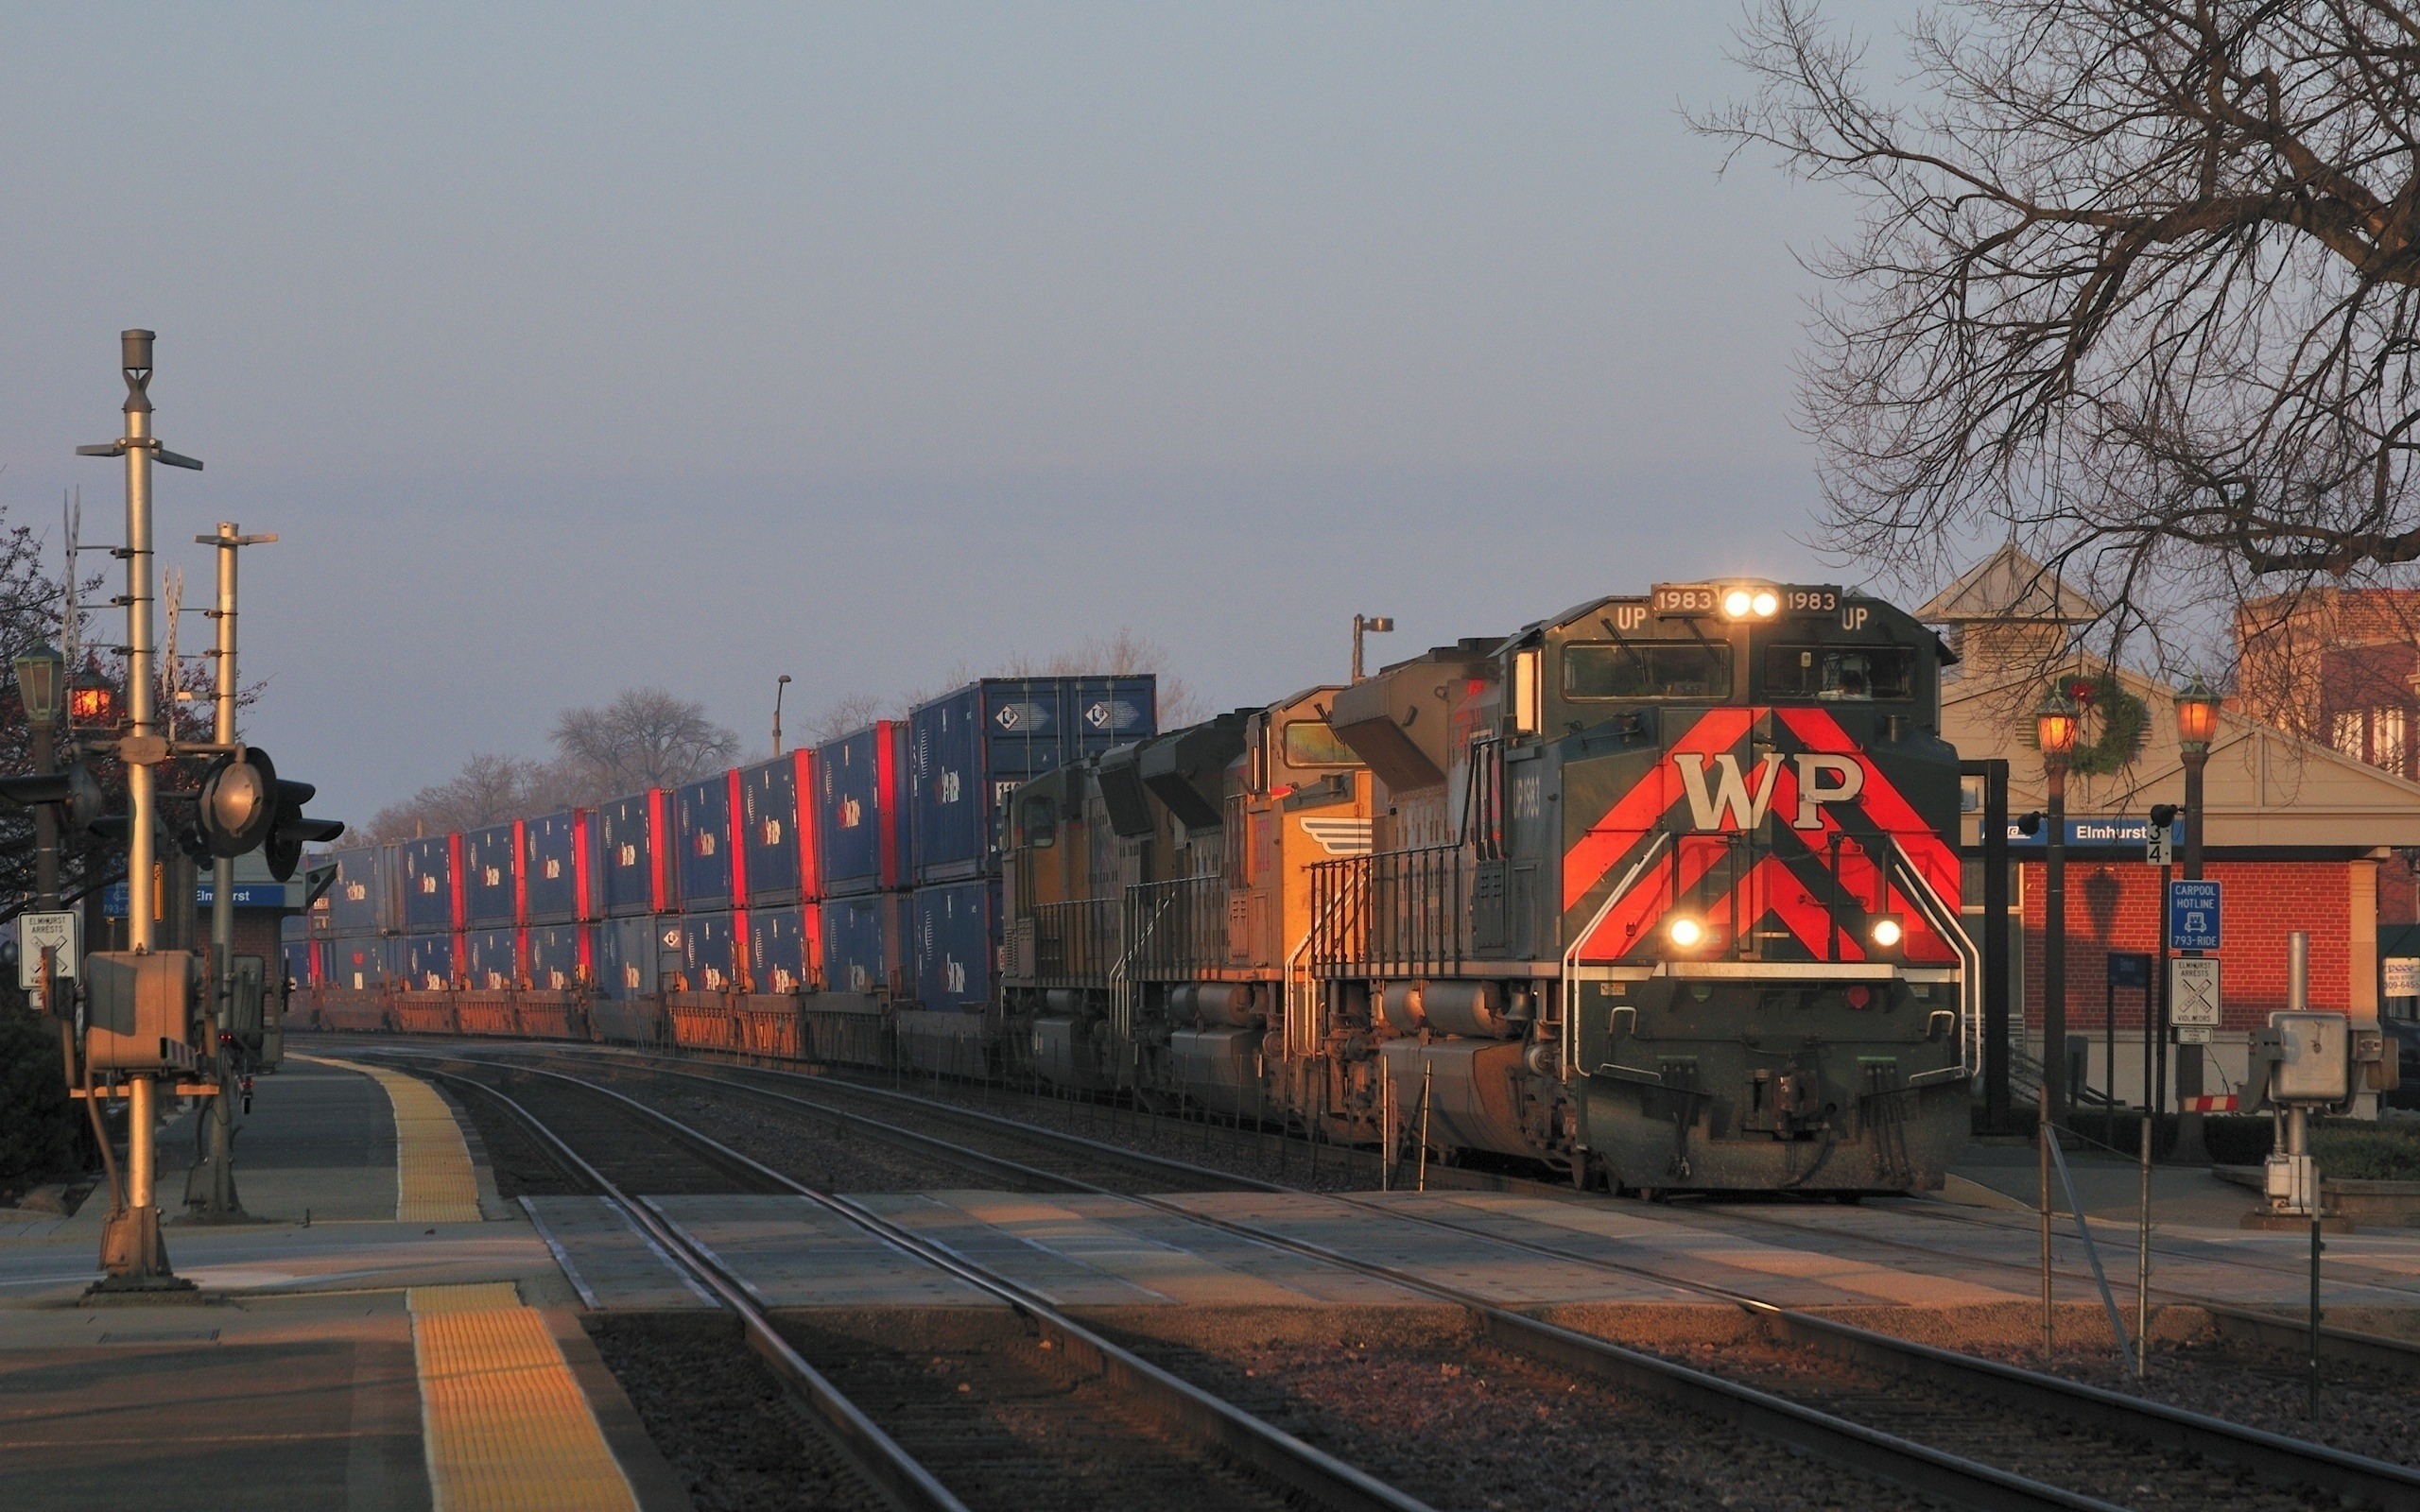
2194 992
2403 976
2192 1034
2156 848
58 933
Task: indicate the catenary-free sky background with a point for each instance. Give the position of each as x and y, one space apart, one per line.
572 348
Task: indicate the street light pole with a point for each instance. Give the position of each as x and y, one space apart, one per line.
1375 624
220 1201
2055 727
2197 725
781 684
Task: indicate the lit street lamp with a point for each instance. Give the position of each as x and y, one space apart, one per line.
1375 624
2054 727
41 671
2197 725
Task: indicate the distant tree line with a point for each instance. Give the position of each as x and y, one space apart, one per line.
649 738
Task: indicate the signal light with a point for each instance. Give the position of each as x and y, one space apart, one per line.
1750 603
92 705
74 790
237 804
1765 605
1887 932
294 828
1685 932
1737 603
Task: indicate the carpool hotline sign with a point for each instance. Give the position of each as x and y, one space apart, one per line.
2192 915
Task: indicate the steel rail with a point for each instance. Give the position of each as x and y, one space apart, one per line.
871 1451
1177 1404
1850 1445
2273 1457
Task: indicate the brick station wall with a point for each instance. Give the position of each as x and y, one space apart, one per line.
2117 906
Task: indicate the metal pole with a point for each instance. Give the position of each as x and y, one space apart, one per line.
1426 1067
2190 1150
2054 951
1996 1041
2042 1139
46 815
780 685
221 1201
2143 1208
2315 1247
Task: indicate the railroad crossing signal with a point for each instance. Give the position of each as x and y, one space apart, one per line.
2192 915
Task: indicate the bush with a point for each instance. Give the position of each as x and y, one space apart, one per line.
2367 1152
37 1117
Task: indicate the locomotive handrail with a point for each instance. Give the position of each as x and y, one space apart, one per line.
1294 964
1945 922
1571 953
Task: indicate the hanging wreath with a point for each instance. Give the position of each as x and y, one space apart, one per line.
2124 719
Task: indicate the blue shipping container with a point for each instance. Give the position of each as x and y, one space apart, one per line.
428 962
361 900
553 850
426 876
297 956
559 956
777 959
865 944
972 746
637 954
861 820
494 963
768 828
628 845
709 952
359 962
956 941
491 877
704 822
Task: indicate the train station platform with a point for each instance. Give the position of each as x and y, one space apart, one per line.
387 1334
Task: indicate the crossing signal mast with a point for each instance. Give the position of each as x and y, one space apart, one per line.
140 1019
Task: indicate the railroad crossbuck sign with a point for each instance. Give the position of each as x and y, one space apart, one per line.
2192 915
2193 991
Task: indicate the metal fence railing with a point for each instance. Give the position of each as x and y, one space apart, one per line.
1396 913
1175 929
1074 944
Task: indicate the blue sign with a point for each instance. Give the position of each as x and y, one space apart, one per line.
2130 968
246 895
2100 832
2192 915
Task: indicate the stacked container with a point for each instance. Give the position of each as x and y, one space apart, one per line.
358 917
863 831
428 883
634 855
560 898
714 883
782 870
972 749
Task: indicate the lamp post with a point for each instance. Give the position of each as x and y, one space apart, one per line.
2054 727
1375 624
780 685
2197 725
41 670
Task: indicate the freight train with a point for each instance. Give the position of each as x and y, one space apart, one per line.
1660 894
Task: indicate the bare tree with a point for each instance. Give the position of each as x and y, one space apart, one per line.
2137 283
490 789
647 737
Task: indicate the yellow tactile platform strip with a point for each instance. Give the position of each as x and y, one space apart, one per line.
434 1182
505 1424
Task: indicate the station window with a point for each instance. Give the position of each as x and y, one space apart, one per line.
1314 742
1852 674
1648 669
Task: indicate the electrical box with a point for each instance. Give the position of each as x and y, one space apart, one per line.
2314 1058
139 1010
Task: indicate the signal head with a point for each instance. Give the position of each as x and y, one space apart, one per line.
237 805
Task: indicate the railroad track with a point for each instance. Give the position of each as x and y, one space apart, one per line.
1862 1399
1076 1448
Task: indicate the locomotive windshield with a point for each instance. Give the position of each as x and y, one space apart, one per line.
1648 669
1314 742
1845 673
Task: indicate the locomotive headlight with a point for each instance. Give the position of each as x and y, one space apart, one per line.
1888 933
1737 602
1765 604
1685 932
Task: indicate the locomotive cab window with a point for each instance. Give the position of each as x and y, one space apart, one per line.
1313 743
1039 818
1648 669
1850 674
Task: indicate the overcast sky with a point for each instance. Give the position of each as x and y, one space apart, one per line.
571 349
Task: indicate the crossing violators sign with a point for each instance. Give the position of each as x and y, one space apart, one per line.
2193 991
59 932
2192 915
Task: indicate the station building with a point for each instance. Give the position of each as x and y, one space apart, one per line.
2300 833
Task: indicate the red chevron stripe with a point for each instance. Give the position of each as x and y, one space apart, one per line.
1622 827
1885 804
